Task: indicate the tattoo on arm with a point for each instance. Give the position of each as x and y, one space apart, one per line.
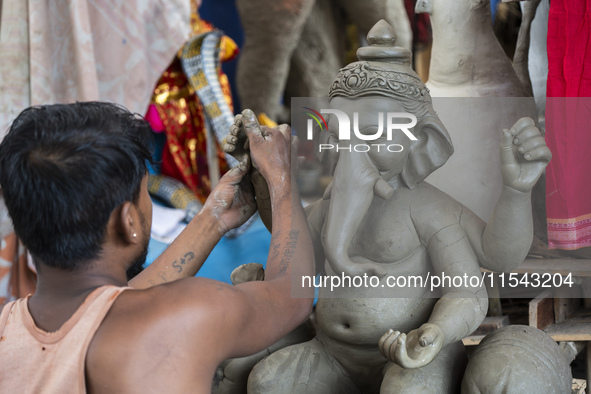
186 258
288 251
276 245
275 251
276 236
176 265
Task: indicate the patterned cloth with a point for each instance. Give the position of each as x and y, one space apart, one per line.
193 104
64 51
79 50
568 120
15 88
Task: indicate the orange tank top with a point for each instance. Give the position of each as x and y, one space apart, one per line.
36 361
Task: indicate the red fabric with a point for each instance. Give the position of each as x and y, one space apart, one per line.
568 125
569 49
420 24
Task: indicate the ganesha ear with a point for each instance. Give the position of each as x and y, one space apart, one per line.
428 153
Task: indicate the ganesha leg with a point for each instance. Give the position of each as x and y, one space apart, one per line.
233 374
301 369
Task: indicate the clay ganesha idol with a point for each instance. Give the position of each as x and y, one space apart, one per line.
380 219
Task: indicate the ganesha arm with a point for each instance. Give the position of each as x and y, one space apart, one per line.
316 213
461 309
502 243
458 312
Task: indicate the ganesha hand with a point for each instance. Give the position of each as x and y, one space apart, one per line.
524 155
414 350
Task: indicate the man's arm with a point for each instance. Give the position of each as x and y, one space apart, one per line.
246 318
178 333
185 256
228 206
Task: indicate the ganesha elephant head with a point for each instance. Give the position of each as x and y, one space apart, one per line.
379 154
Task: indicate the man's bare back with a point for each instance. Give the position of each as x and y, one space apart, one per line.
170 338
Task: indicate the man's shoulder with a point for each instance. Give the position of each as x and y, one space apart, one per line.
183 304
147 328
170 300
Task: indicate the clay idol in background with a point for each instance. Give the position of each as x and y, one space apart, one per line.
477 93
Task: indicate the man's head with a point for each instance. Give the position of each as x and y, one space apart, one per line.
65 168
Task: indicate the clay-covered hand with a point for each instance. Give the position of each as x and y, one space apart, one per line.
236 142
414 350
232 202
270 148
524 155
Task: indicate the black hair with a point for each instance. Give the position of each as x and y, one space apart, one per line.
64 168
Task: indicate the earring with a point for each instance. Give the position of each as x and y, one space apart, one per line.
134 235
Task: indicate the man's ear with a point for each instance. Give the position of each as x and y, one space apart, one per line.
127 224
430 152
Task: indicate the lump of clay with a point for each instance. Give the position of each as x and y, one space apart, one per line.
250 272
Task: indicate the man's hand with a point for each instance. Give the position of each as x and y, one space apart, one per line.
270 148
237 144
232 202
416 350
524 155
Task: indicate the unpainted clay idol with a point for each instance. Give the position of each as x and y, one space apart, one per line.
517 359
467 61
378 219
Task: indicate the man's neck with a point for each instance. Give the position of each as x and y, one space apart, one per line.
60 292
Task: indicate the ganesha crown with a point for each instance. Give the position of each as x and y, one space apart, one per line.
360 80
